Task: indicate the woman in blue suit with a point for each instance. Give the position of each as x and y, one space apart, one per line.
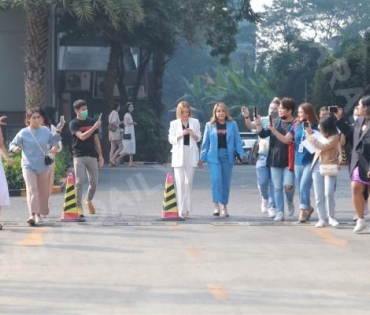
221 143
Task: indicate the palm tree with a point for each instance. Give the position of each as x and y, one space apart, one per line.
37 31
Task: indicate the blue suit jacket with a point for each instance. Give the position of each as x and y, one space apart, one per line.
209 149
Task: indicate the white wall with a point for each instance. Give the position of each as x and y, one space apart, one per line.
12 32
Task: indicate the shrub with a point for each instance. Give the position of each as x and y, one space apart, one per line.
14 174
62 160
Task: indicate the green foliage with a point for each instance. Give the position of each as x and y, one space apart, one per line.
232 85
62 160
151 138
13 173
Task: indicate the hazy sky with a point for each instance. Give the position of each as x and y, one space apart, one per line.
257 4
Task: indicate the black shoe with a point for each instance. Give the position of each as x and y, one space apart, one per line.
31 221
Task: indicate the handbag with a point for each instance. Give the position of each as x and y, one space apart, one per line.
127 136
49 158
112 127
329 170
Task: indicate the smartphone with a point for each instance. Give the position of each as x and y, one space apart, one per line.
255 111
101 114
62 120
306 124
333 109
270 119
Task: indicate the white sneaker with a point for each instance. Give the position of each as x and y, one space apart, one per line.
38 219
360 225
272 212
320 224
264 206
333 222
279 216
290 208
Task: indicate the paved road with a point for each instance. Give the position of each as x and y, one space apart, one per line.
125 260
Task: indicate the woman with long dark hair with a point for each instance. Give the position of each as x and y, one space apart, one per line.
302 157
360 161
35 140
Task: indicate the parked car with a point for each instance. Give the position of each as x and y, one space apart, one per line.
248 141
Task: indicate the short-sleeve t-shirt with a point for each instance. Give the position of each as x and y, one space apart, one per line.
301 156
86 147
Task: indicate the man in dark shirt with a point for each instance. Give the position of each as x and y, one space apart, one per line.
87 153
278 157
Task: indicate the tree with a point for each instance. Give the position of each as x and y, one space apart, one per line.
37 31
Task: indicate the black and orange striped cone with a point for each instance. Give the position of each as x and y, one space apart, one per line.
169 210
70 210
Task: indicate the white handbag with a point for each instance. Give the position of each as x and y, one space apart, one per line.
329 170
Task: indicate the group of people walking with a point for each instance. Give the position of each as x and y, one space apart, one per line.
293 154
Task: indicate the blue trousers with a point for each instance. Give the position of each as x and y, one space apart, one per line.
221 177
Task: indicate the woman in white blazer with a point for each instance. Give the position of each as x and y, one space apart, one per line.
184 133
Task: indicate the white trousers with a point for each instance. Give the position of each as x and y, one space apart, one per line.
184 182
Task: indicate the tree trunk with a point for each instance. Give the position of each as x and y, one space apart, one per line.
110 79
142 68
36 45
158 70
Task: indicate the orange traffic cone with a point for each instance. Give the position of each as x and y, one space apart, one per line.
169 211
70 211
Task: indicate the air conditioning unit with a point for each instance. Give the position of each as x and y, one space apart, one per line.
99 87
141 93
77 80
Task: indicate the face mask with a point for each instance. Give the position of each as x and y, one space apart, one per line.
131 109
84 114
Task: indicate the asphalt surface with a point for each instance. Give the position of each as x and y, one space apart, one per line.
126 260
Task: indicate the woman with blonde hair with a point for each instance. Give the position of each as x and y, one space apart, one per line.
184 133
221 144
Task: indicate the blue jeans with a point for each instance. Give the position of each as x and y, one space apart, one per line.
303 182
282 177
221 177
324 187
264 182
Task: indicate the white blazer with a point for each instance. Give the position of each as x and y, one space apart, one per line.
178 143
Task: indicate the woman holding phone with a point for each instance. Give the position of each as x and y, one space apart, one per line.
34 141
302 157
